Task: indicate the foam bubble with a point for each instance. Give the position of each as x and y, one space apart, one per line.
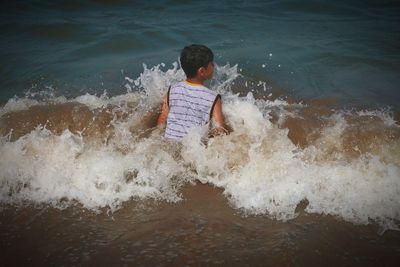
16 104
385 115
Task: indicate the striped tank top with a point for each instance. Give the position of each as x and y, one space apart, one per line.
190 105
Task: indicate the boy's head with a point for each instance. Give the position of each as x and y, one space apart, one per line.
194 57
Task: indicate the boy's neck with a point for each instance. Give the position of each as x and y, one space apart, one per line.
195 80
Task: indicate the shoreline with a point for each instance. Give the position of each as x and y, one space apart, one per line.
202 229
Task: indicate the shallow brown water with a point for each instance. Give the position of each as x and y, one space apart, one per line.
366 133
201 230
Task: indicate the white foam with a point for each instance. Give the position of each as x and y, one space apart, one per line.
17 104
260 170
155 82
385 115
42 167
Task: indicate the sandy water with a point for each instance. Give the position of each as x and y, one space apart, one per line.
202 230
90 180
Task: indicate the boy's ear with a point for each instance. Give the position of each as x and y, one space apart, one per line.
201 71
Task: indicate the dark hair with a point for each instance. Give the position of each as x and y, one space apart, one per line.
194 57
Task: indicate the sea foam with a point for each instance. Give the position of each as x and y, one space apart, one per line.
259 168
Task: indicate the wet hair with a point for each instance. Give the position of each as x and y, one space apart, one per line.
194 57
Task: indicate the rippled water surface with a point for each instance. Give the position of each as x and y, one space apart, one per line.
348 50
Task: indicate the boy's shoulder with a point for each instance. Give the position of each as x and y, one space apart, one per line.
194 88
178 84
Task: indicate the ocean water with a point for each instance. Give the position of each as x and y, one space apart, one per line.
310 92
347 50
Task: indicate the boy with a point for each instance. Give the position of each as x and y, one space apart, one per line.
189 103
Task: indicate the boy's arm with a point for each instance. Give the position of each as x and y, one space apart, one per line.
164 111
218 118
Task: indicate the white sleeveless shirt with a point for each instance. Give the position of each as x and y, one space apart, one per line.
190 105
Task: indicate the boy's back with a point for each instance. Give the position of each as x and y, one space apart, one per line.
190 105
